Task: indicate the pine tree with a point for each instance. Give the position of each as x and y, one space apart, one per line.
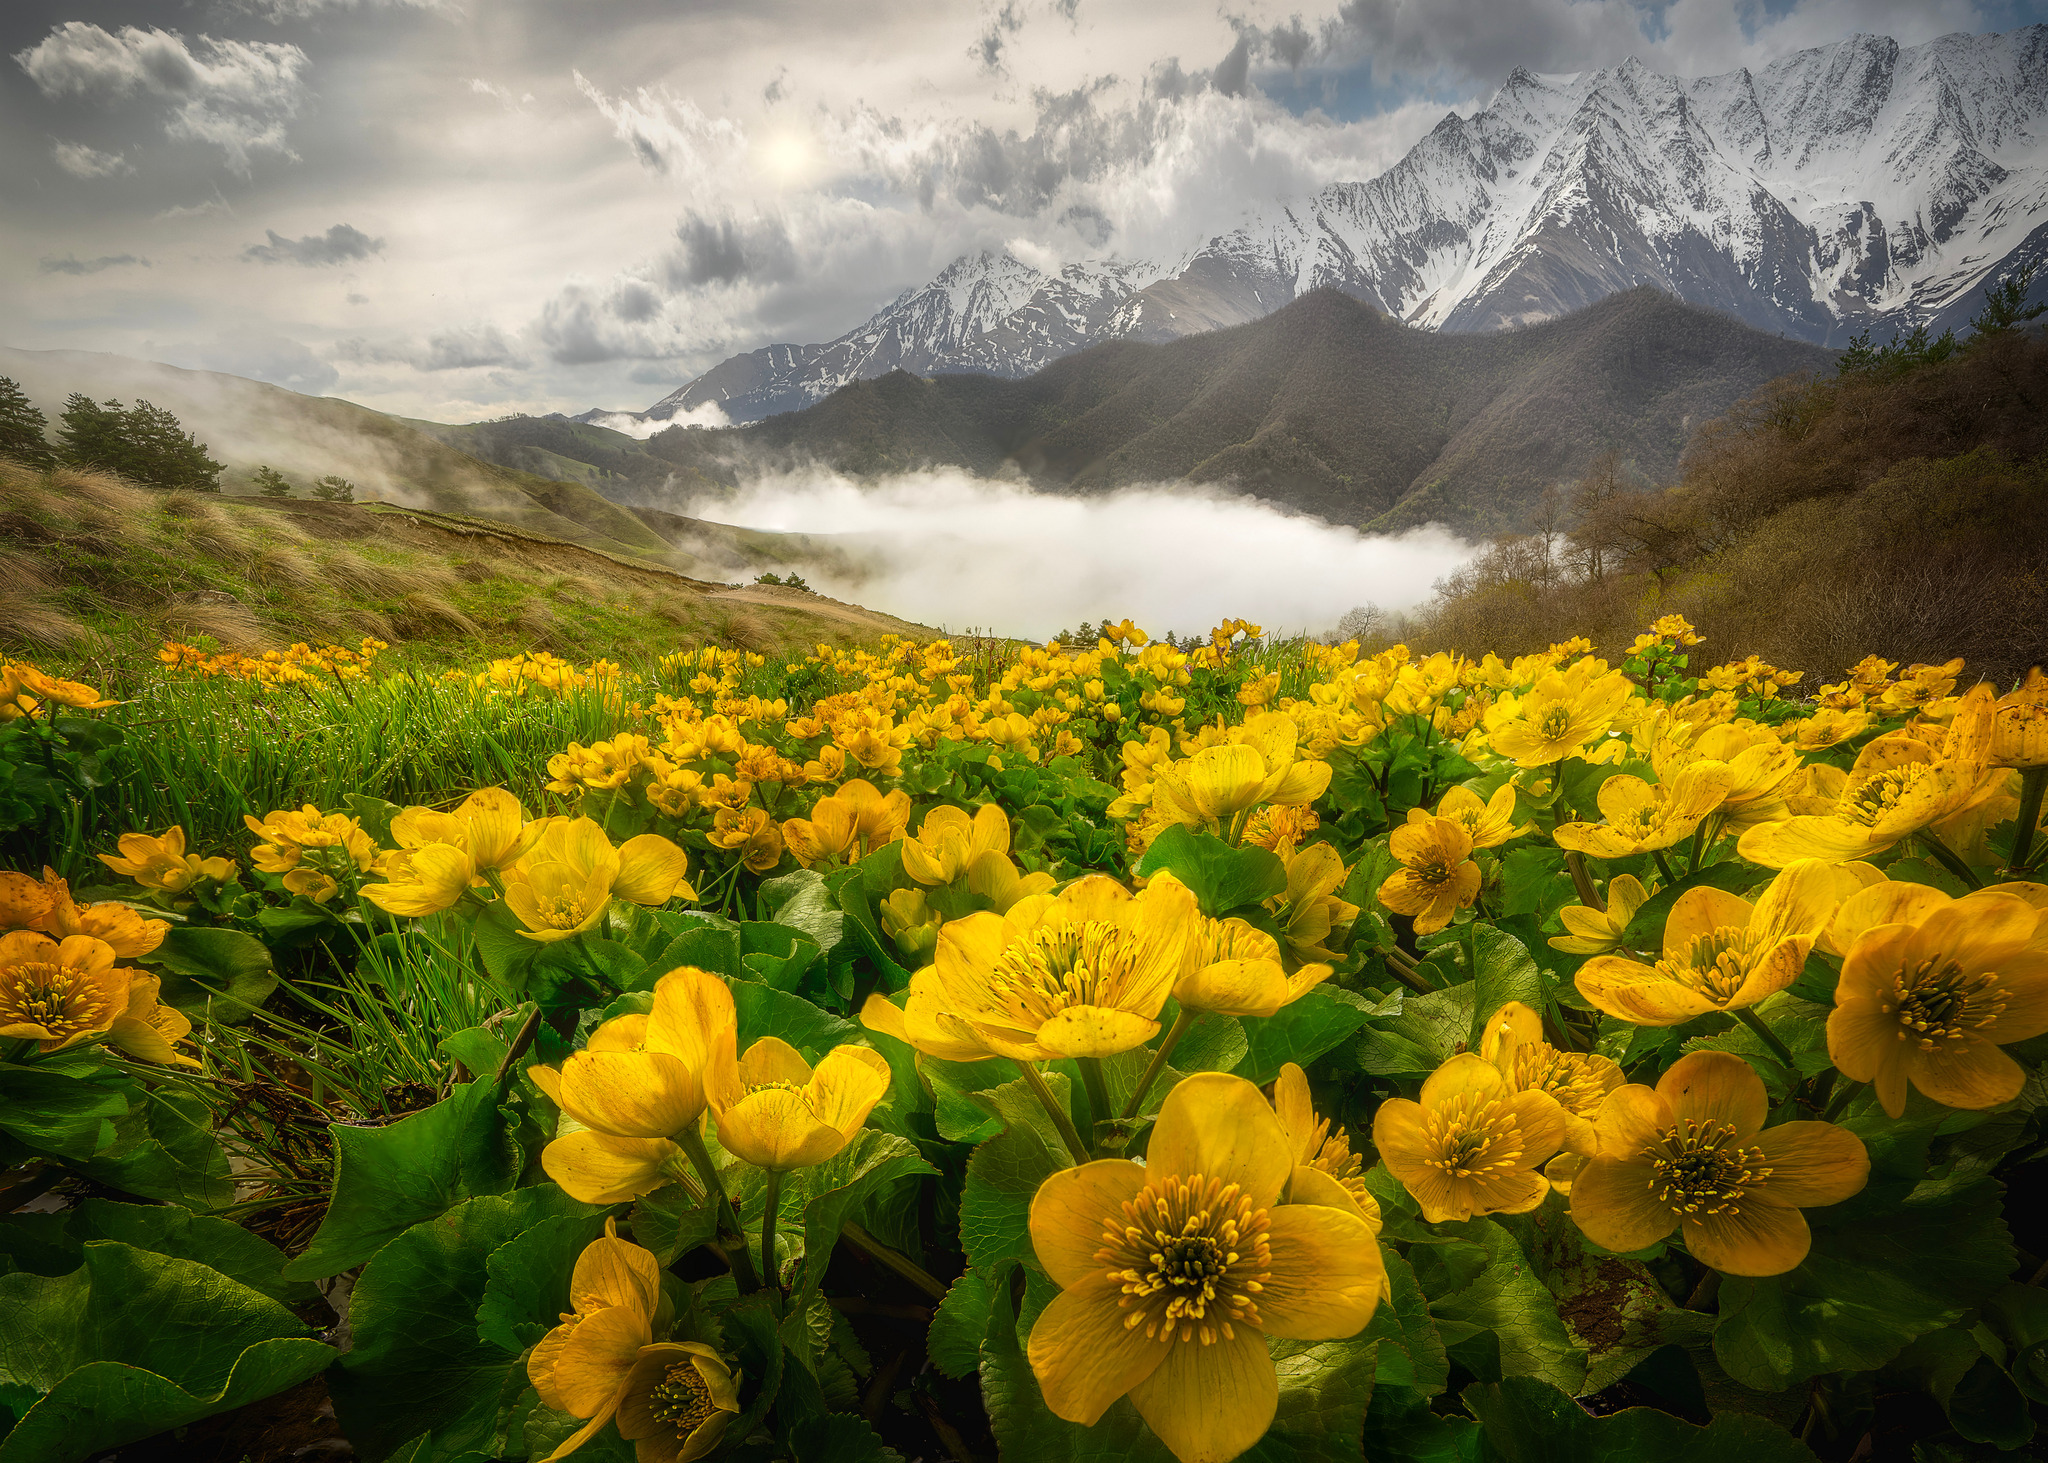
91 435
271 483
335 490
21 428
145 443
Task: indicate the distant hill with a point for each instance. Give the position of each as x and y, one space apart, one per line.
1326 407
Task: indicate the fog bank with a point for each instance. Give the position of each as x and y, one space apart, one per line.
949 549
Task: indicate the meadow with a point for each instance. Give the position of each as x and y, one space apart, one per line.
971 1049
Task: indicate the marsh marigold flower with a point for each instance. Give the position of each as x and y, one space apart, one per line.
163 864
48 906
62 993
1472 1144
950 840
1722 953
1598 931
602 1364
1933 987
1489 821
564 884
1580 1081
1693 1154
1173 1273
1237 972
638 1082
848 824
1320 1147
2019 724
1437 877
1640 817
1898 786
1080 974
1256 765
777 1112
1310 911
1557 716
749 833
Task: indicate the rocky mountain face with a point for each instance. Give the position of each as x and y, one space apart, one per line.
1861 185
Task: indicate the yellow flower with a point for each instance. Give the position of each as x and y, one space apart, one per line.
1437 877
993 877
148 1029
1759 766
950 840
422 881
489 826
162 863
1898 786
602 1363
638 1082
1173 1273
1640 816
1825 728
749 833
1472 1144
566 881
1237 972
23 901
1257 765
286 837
1693 1154
1320 1147
1490 823
855 821
776 1112
47 687
121 929
1932 987
2019 725
1310 912
1580 1081
1595 931
1562 712
59 993
1080 974
1722 953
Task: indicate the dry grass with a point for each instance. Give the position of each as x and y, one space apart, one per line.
742 630
426 614
352 574
220 616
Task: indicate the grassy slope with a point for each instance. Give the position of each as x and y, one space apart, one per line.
1324 406
94 570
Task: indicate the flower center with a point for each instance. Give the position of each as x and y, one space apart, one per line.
1882 792
1715 964
1063 965
681 1400
562 911
1566 1076
1555 723
1470 1138
54 997
1697 1168
1941 1003
1434 875
1191 1256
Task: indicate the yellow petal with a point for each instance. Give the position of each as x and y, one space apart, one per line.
1811 1164
1234 988
631 1094
692 1015
650 868
1210 1403
1716 1087
1083 1354
592 1364
1755 1239
597 1168
1292 1105
847 1084
1095 1031
1326 1273
1069 1210
1615 1205
615 1272
1220 1127
1700 911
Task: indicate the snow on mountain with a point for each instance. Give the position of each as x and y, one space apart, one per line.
1852 186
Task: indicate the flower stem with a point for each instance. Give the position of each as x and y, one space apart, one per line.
2033 782
1098 1090
730 1235
1768 1037
1153 1068
1406 971
889 1259
1061 1118
772 1199
1947 858
1664 867
1582 880
517 1050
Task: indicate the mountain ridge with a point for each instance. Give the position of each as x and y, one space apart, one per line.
1859 185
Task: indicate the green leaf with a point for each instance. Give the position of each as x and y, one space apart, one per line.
1221 877
1004 1172
1532 882
954 1341
166 1149
1529 1422
837 1437
391 1178
1870 1284
765 1011
837 1189
507 954
226 973
1419 1033
528 1287
66 1112
802 901
1299 1032
701 940
778 955
1411 1352
167 1229
1507 972
1801 1025
671 1223
418 1362
133 1343
1505 1298
1399 1425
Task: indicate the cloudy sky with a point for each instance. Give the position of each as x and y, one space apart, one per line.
464 208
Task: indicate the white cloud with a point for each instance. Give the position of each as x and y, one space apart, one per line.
279 11
81 161
945 548
456 349
705 414
234 95
669 134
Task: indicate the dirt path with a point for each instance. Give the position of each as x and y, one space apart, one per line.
873 621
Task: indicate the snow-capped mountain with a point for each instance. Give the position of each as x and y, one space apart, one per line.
1850 186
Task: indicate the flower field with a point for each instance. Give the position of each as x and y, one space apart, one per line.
1236 1048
